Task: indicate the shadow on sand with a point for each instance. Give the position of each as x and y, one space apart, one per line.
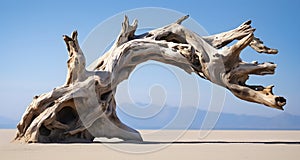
201 142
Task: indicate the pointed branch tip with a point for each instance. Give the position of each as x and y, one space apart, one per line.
74 34
125 19
180 20
248 22
67 38
135 22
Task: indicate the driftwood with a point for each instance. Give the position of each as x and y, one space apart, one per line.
85 107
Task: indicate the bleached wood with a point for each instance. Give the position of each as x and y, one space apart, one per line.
85 108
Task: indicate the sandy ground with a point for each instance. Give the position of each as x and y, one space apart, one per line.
190 144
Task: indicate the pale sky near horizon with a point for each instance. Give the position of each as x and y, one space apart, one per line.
33 56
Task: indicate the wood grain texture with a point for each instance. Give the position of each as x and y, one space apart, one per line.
85 107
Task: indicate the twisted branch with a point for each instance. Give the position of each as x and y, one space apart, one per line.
85 108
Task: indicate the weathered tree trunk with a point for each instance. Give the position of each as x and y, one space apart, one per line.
85 108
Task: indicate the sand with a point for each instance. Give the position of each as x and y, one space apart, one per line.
191 145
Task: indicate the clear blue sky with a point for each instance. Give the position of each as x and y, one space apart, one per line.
33 54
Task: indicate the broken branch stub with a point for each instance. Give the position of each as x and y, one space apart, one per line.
85 107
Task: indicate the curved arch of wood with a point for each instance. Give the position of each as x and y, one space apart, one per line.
53 116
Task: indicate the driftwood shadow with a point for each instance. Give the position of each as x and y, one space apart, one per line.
200 142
